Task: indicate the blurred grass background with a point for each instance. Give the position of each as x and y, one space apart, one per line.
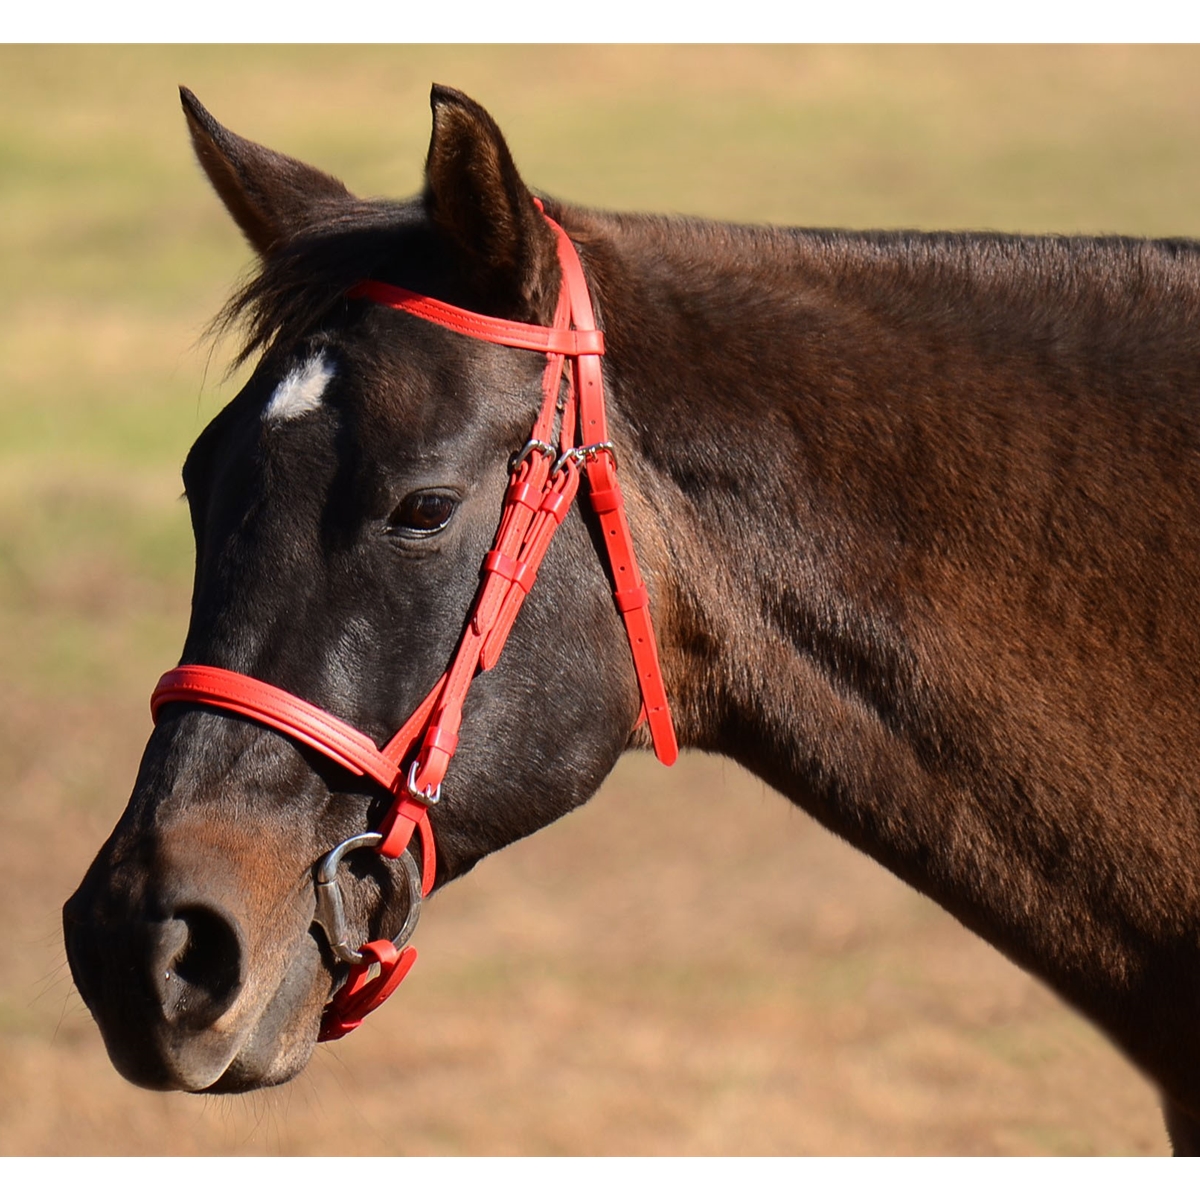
887 1036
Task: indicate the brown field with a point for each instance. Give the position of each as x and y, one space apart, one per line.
688 965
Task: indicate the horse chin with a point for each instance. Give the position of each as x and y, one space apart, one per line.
281 1042
257 1044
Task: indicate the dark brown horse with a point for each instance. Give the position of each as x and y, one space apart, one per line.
919 516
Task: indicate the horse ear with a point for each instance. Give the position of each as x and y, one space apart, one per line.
475 196
269 195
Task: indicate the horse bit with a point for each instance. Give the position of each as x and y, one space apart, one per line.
542 485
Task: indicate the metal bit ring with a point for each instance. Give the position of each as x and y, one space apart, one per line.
331 910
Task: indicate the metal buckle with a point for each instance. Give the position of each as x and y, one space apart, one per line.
580 454
526 450
426 797
331 910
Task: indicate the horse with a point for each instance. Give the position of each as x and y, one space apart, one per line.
907 524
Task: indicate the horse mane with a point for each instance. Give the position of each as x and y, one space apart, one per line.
974 271
1026 289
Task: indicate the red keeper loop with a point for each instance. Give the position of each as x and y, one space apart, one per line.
522 493
520 573
556 504
526 574
438 737
605 500
629 598
431 768
500 564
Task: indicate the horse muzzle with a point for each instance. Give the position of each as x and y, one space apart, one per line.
200 979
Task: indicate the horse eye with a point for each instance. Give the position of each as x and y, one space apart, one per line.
422 513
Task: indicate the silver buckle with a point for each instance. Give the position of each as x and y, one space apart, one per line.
428 796
580 454
529 448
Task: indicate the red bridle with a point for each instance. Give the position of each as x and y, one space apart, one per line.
541 489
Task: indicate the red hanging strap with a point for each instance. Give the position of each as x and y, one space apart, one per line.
369 984
630 594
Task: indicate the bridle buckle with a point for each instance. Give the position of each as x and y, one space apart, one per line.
580 454
427 795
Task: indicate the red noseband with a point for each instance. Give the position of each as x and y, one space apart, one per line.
541 489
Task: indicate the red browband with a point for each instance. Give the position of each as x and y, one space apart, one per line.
541 489
545 338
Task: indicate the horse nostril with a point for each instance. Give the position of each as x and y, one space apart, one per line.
198 966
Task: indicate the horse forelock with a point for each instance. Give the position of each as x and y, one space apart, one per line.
303 281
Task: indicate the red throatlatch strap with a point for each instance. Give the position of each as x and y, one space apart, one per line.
605 493
633 601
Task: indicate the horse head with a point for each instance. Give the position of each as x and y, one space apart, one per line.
341 505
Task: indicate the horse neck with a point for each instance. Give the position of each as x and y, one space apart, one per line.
889 582
816 489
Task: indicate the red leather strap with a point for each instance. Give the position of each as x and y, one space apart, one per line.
487 329
560 493
405 815
609 504
364 991
272 706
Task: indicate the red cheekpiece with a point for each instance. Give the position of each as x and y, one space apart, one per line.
541 490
